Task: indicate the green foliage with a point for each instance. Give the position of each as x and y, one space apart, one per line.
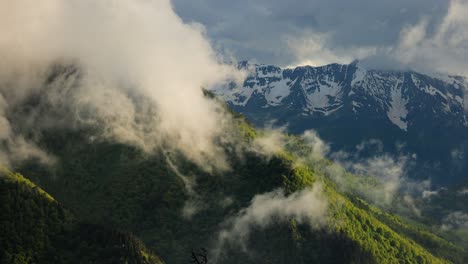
34 228
299 178
418 233
381 241
119 187
247 131
447 201
18 178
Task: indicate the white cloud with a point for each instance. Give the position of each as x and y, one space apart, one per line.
270 142
445 50
413 35
273 141
14 147
457 219
318 148
307 206
267 27
425 35
421 46
387 171
462 192
380 179
312 48
141 69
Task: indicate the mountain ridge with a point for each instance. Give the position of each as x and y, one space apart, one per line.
409 112
36 228
326 88
120 186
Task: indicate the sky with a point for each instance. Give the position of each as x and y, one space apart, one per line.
425 35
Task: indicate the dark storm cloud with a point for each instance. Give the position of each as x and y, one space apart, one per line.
323 31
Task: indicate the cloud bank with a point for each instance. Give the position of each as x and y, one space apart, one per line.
421 34
138 68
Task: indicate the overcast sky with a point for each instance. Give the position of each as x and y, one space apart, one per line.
430 35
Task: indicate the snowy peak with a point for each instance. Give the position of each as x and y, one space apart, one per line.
400 97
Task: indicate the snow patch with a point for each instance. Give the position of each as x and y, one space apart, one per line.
427 88
271 85
319 92
397 111
452 80
356 104
327 111
358 76
456 99
277 91
433 91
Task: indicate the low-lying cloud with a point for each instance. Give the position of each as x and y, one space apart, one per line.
139 73
16 147
273 141
455 220
378 179
308 206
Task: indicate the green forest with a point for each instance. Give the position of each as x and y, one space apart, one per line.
108 202
233 132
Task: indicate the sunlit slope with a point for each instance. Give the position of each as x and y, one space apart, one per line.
175 206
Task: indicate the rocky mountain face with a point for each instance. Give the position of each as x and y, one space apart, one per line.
409 113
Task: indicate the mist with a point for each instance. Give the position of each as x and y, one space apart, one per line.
380 179
454 220
16 147
138 69
308 206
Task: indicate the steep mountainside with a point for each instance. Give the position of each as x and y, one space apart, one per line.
34 228
410 112
120 187
272 205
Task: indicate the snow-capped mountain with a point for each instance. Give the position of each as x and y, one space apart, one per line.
401 97
348 105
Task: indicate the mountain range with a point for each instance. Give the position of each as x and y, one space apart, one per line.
108 201
409 114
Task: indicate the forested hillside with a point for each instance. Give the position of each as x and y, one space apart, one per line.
129 133
175 206
35 228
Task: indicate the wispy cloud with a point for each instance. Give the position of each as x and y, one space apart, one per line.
456 219
425 35
308 206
